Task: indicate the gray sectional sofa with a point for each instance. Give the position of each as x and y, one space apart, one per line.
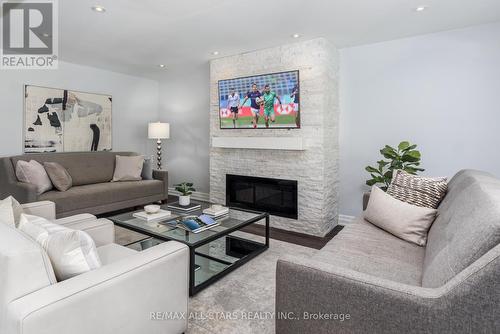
92 191
387 285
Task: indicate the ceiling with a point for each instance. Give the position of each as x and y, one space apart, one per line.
135 36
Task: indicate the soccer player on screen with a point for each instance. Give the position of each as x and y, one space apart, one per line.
254 95
296 100
269 97
233 104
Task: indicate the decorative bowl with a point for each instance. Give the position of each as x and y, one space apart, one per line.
150 209
216 207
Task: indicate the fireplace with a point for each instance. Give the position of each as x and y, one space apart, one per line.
276 196
309 155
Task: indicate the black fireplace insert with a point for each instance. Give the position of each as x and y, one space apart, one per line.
276 196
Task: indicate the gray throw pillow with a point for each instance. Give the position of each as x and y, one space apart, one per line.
128 168
147 169
422 191
33 172
405 221
58 175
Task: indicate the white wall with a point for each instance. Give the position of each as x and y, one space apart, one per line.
440 91
135 103
185 104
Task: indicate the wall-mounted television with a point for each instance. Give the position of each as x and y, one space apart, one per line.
269 101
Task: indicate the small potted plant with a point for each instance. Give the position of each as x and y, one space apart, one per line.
186 189
404 157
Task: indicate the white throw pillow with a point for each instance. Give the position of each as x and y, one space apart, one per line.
6 214
33 172
406 221
71 252
128 168
10 211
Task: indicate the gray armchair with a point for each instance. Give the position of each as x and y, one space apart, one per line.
367 281
92 191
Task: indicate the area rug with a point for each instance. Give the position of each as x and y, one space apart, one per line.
243 301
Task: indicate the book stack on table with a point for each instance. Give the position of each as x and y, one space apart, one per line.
217 211
153 217
184 208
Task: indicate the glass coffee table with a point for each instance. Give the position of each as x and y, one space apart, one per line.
214 252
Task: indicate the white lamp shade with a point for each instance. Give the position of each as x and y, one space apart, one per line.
159 130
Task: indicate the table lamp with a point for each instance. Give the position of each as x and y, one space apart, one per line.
158 131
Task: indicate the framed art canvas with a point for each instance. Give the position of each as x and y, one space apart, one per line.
59 120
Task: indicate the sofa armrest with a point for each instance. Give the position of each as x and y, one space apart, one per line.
10 186
117 298
377 305
162 175
22 192
44 209
102 230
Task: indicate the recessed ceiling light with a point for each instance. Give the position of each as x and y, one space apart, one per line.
420 8
45 35
215 53
162 65
295 35
99 9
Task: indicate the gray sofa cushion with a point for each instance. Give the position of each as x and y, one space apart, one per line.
84 167
467 226
366 248
91 195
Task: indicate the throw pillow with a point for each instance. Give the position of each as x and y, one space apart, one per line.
34 173
405 221
71 252
58 175
147 169
128 168
417 190
10 211
7 214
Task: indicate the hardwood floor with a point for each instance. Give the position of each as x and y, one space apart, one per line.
295 237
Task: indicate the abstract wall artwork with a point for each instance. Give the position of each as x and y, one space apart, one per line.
58 120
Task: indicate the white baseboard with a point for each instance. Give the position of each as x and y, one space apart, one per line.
345 219
197 195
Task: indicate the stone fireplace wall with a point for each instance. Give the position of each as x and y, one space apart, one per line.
316 166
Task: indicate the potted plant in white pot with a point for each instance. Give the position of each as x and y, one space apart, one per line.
186 189
404 157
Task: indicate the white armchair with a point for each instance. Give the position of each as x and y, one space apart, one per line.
119 297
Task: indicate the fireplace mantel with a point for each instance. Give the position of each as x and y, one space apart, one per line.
262 143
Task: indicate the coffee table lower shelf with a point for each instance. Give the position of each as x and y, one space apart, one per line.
209 269
213 257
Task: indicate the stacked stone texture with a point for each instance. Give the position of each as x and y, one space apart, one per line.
316 167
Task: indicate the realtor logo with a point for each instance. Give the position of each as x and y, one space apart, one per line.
29 35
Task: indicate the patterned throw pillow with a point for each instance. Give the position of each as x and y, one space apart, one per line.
417 190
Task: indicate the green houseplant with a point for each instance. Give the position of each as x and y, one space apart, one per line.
404 157
186 189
